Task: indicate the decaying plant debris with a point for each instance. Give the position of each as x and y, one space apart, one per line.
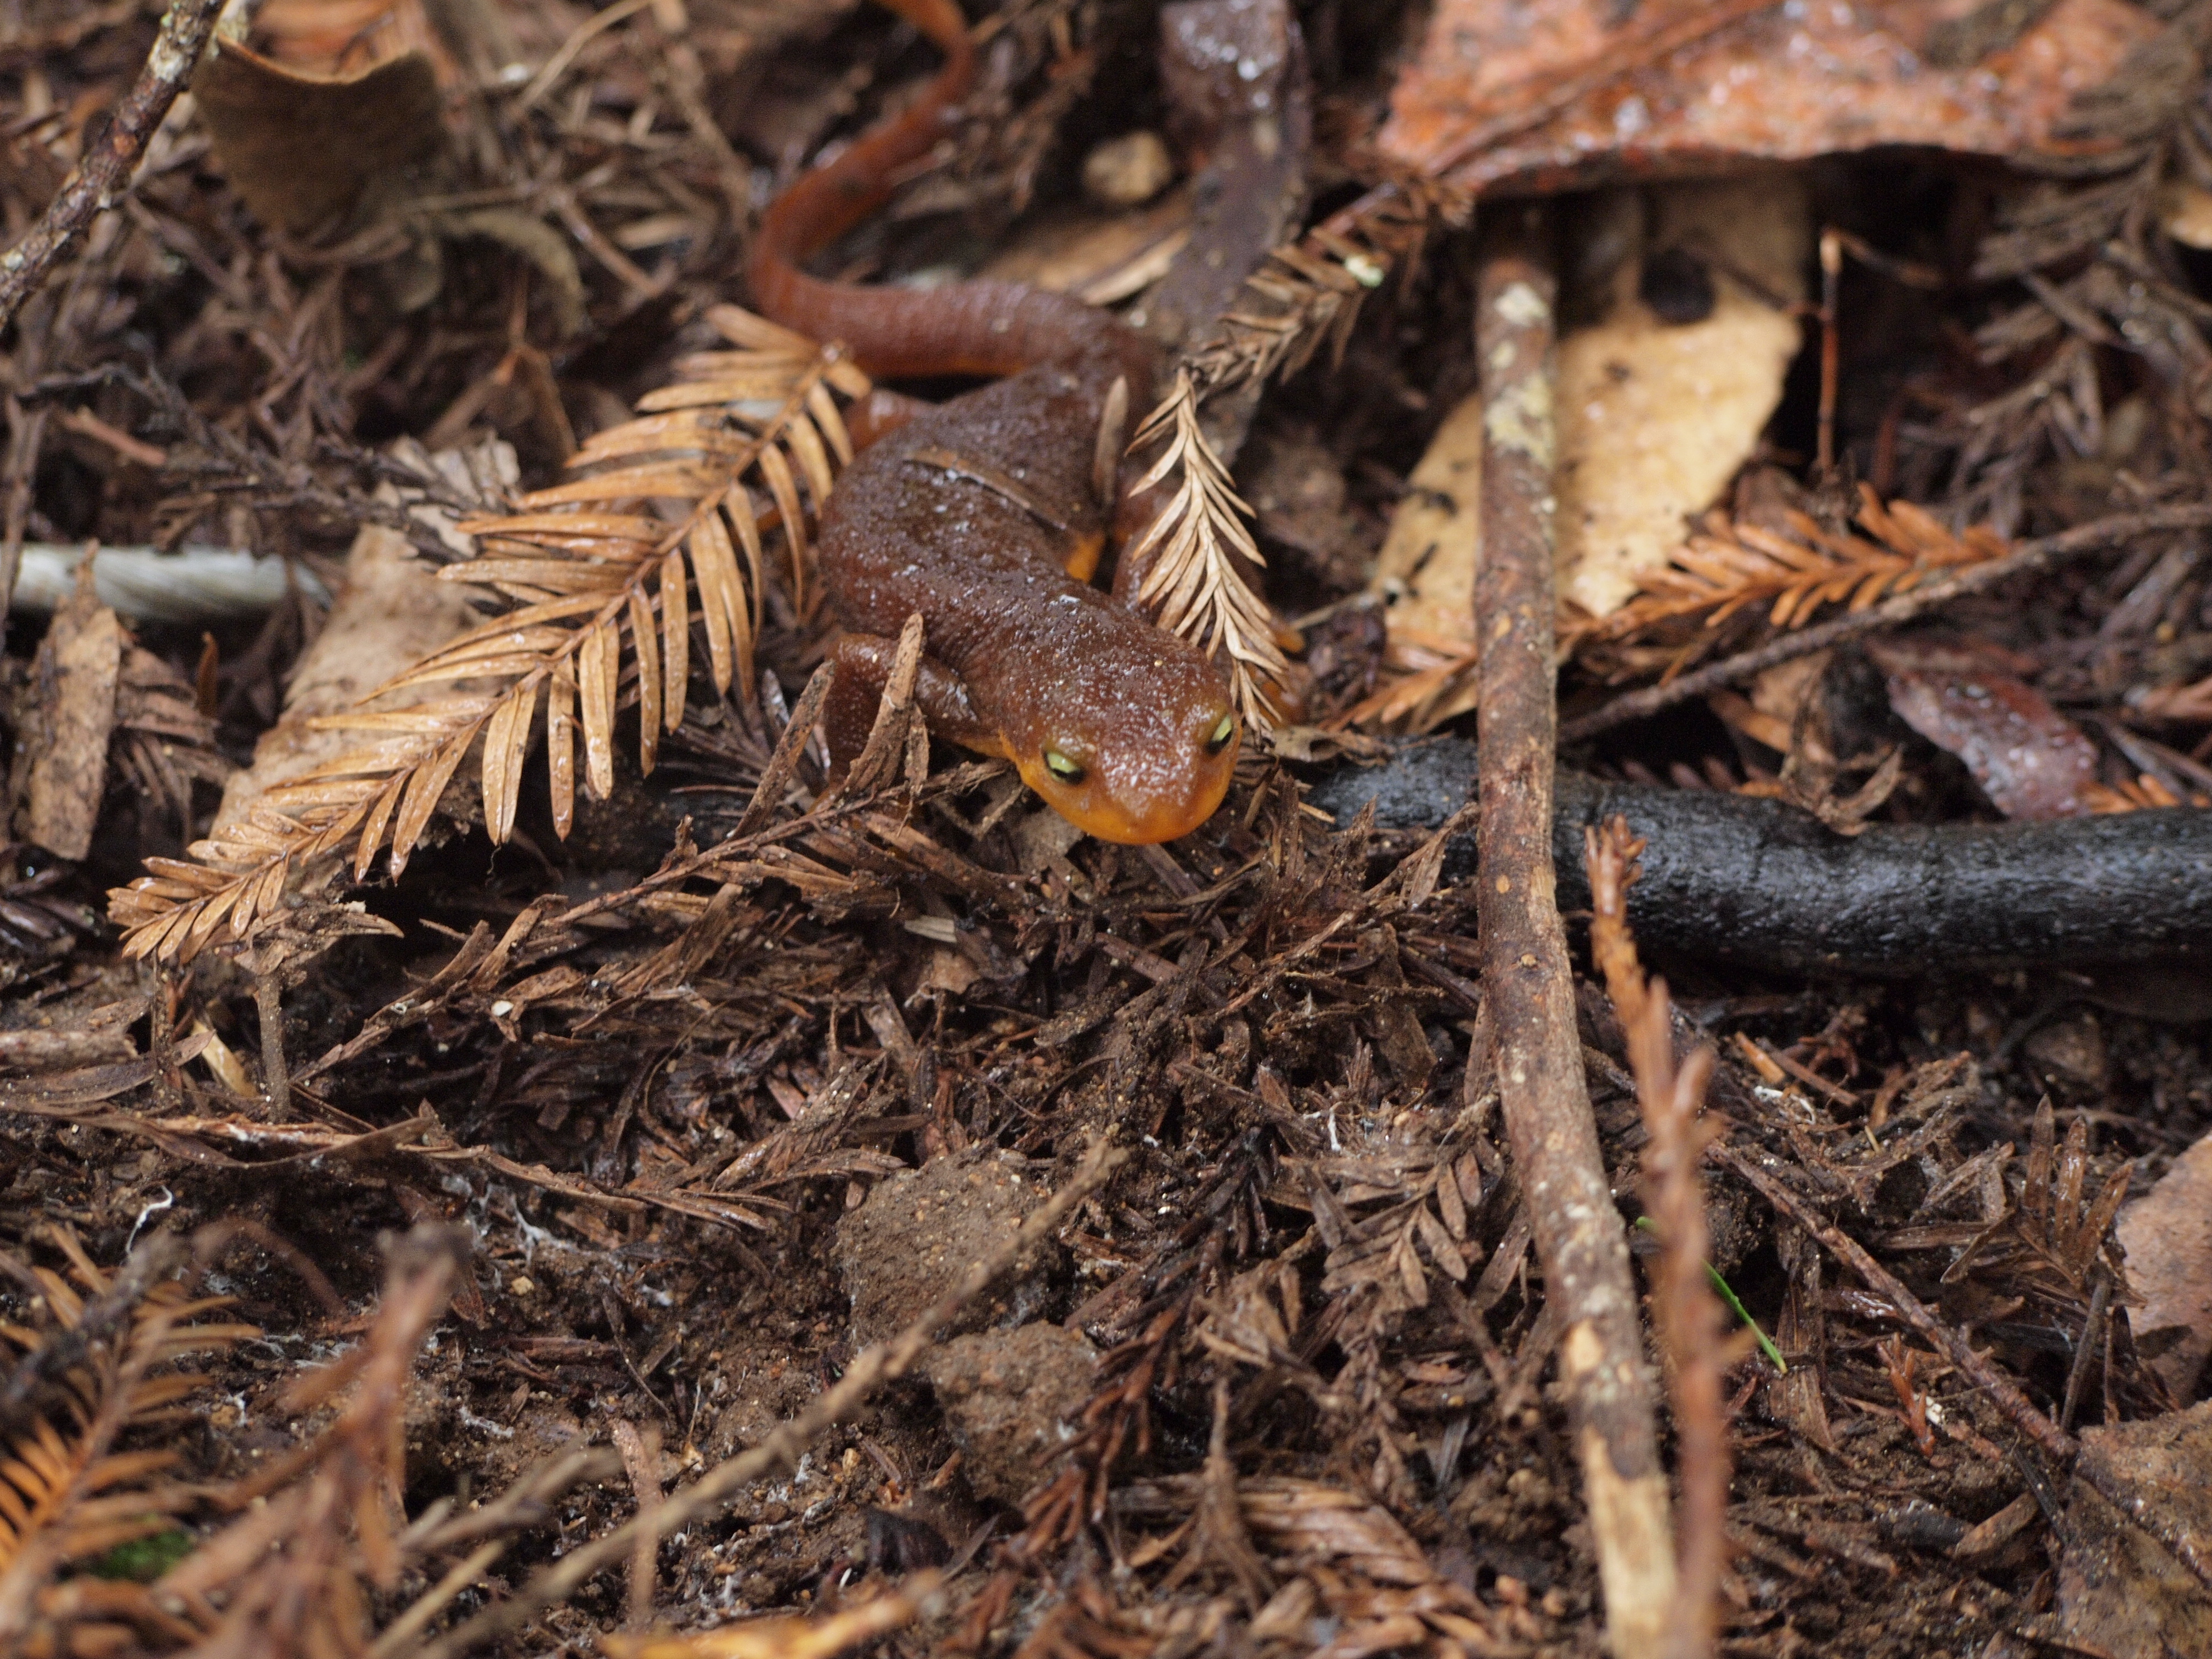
550 1173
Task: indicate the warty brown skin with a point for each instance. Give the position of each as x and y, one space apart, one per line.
1032 662
974 513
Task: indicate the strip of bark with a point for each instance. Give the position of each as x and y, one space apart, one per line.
1526 981
2033 558
1726 876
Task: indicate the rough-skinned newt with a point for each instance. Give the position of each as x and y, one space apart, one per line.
988 513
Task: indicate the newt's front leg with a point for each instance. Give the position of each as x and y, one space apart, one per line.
863 663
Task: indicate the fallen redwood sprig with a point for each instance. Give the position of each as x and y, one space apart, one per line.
1527 981
2052 1440
1763 1175
2032 559
1687 1312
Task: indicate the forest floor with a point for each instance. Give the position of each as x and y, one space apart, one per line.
487 1254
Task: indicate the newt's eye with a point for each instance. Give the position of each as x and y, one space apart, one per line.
1219 739
1067 770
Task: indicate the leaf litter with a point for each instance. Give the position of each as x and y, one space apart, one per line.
548 1208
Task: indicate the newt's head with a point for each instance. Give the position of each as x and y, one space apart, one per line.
1131 747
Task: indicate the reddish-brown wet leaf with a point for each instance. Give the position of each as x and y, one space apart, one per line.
1966 695
1513 91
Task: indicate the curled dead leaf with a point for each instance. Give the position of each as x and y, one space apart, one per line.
306 149
1506 91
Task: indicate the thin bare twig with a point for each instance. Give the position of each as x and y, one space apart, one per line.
645 1483
2033 558
1687 1313
105 168
1526 978
276 1073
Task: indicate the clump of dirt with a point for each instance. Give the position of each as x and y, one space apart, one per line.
1009 1397
917 1232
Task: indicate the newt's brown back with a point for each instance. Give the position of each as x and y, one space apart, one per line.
973 512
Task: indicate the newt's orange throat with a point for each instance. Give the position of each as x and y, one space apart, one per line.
987 515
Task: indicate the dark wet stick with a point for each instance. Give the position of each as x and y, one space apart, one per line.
1758 881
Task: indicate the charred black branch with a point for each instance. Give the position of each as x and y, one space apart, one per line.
1761 883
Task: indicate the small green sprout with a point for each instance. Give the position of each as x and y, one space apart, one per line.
1727 1295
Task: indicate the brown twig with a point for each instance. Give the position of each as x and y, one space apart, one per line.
276 1072
105 168
1687 1313
2053 1441
1525 974
879 1364
645 1483
2033 558
1832 276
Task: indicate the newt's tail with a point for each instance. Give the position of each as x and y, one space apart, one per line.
972 328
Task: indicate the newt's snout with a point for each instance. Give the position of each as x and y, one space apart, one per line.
1135 787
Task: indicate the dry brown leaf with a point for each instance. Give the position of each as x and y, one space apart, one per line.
328 116
2167 1236
1653 418
2130 1579
1964 696
74 683
1425 570
1656 418
338 37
